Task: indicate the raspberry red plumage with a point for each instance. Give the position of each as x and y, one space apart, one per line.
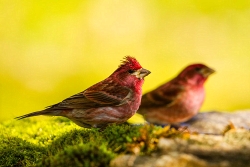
113 100
177 100
130 63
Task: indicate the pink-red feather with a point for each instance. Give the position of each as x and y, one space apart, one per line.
113 100
177 100
130 63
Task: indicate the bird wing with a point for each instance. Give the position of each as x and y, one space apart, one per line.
106 95
165 95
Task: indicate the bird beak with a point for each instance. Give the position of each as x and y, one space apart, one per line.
141 73
207 71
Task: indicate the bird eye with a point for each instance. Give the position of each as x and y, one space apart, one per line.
131 71
197 69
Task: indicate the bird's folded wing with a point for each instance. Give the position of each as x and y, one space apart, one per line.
163 96
94 98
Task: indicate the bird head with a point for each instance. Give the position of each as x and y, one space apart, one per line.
196 73
130 71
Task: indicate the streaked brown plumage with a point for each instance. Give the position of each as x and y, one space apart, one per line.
177 100
113 100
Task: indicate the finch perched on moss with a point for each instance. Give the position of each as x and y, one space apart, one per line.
177 100
113 100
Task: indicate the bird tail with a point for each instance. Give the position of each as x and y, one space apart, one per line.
43 112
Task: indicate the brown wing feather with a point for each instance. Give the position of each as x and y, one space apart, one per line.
91 98
164 95
78 101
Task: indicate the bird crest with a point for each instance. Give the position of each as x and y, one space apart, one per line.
131 63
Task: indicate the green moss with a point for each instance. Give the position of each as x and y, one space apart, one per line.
59 142
17 152
89 154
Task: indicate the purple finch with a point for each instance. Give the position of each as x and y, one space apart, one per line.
177 100
113 100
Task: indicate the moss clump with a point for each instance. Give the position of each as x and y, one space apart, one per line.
17 152
59 142
88 154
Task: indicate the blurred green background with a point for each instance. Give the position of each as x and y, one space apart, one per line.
50 50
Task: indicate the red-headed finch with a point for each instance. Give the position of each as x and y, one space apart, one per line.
177 100
113 100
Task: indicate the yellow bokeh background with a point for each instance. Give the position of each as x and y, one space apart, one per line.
50 50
